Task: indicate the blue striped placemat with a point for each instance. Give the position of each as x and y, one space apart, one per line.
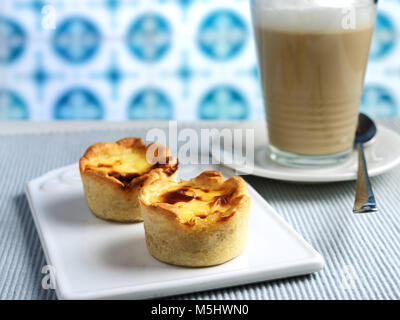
362 252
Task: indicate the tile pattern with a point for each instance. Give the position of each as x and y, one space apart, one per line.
153 59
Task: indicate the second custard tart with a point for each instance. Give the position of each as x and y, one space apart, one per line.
196 223
113 174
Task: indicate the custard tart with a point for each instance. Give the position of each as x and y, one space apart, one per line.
196 223
113 174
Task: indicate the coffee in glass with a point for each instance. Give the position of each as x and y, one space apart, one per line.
312 58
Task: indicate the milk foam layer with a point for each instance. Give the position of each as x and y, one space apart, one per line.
314 15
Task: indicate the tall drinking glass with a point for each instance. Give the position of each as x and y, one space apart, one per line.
312 58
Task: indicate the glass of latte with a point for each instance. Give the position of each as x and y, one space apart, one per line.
312 57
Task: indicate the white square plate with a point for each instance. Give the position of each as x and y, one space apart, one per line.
95 259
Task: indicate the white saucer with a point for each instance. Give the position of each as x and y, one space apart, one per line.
382 156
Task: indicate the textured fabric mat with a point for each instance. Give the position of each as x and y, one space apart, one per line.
361 251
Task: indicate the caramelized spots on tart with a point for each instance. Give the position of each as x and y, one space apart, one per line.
168 168
123 163
221 200
180 195
196 202
109 165
190 223
221 217
102 165
126 179
128 165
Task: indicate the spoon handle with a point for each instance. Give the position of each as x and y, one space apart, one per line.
365 200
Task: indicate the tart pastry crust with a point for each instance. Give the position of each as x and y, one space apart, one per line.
196 223
113 174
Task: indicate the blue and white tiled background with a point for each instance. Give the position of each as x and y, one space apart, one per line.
153 59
